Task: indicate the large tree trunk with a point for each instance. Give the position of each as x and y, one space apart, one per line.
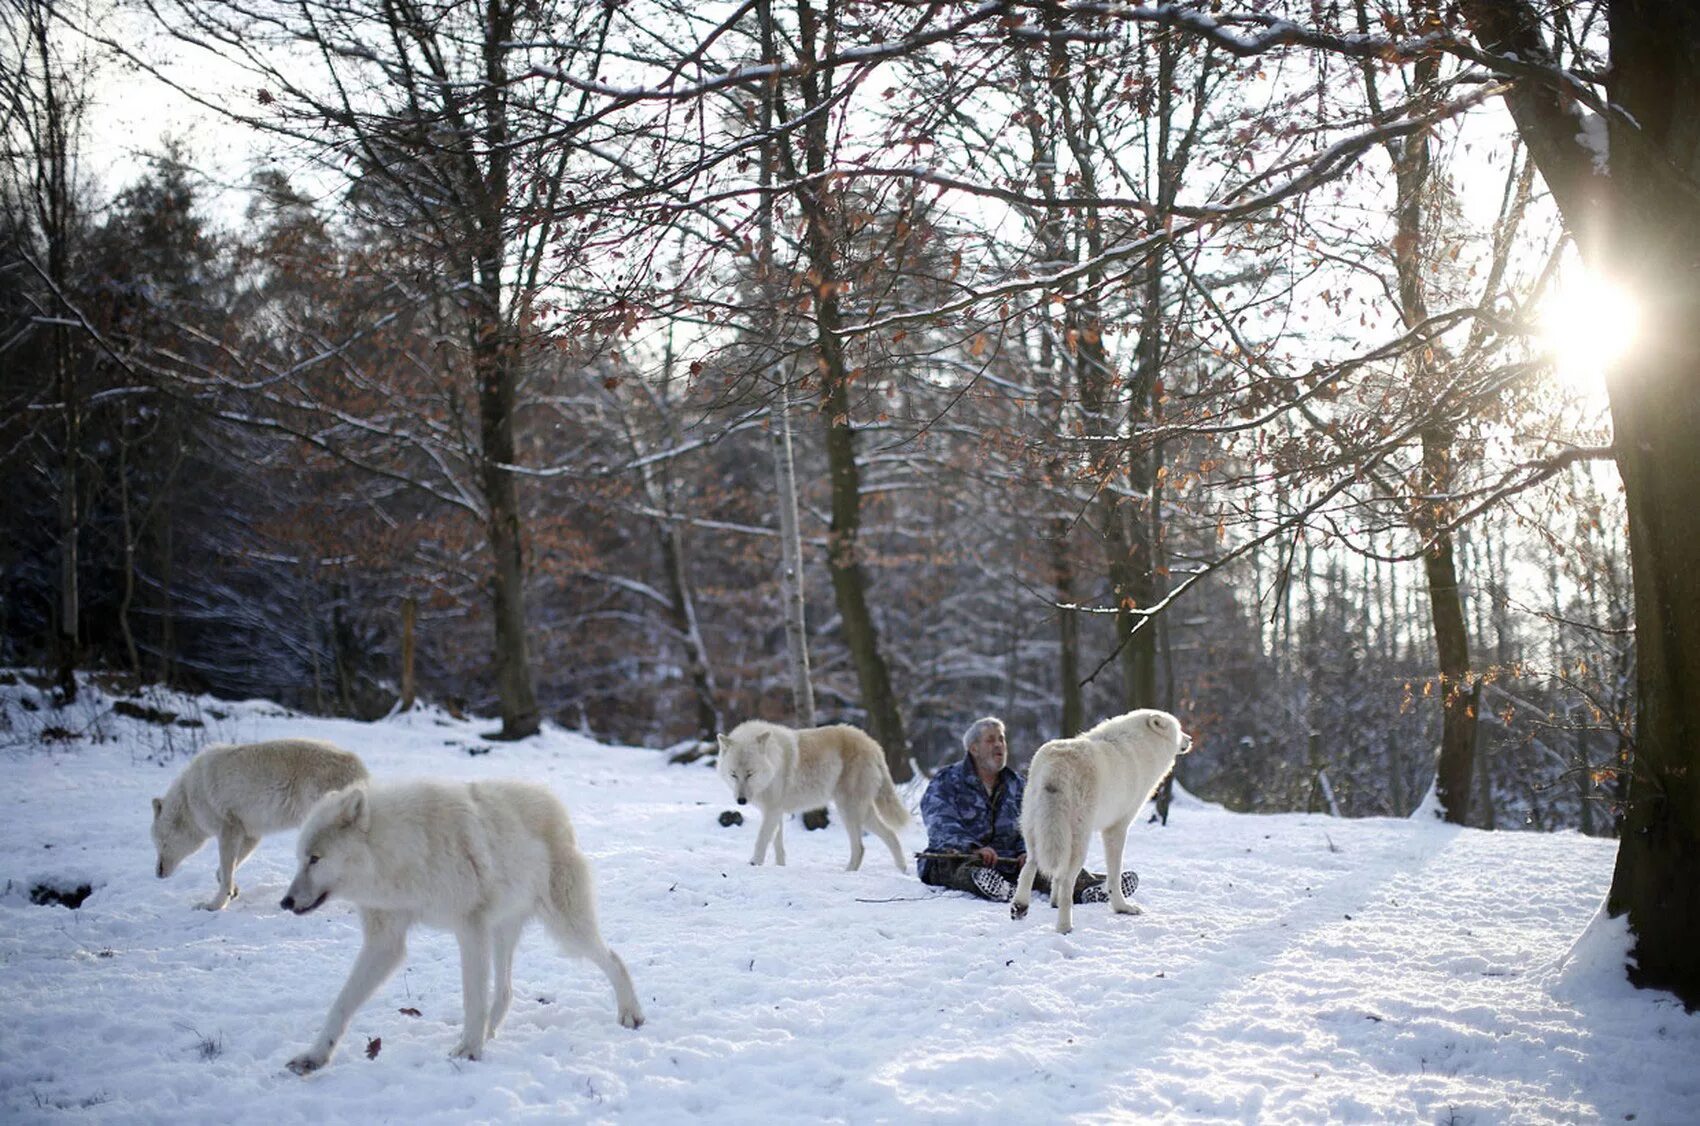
1053 394
495 361
849 582
496 367
1654 242
1642 224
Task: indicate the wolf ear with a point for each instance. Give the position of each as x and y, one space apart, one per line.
158 805
763 736
1157 724
723 742
352 808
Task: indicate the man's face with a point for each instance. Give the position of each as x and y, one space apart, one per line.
990 752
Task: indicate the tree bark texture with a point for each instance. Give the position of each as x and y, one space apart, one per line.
496 367
1642 225
844 564
1433 510
495 363
409 627
793 603
1653 242
791 559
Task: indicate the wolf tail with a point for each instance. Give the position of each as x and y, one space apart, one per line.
1048 818
887 802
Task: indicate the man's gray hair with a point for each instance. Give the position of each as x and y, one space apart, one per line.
978 728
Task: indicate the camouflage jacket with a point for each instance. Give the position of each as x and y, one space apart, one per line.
961 816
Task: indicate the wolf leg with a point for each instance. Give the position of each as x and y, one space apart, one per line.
770 822
1024 888
506 939
779 838
475 944
571 918
381 952
234 845
1115 838
854 828
625 995
1064 880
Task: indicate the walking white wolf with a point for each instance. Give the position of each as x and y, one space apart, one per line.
1098 780
783 770
240 793
480 859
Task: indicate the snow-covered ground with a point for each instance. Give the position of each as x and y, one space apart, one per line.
1287 968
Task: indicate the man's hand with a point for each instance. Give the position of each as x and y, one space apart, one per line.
987 856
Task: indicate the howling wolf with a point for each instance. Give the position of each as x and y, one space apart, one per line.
783 770
240 793
480 859
1097 780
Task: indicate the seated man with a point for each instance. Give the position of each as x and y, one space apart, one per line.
972 810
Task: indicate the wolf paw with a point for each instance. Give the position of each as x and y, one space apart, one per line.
631 1018
306 1063
466 1051
1130 909
213 904
1018 911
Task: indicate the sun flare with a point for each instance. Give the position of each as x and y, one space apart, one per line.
1587 325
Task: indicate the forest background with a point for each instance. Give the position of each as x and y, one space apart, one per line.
651 366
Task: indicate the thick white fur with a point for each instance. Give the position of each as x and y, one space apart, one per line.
1098 780
239 793
480 859
783 770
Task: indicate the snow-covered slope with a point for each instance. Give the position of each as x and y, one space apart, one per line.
1287 968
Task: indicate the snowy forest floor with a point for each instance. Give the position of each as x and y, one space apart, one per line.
1287 968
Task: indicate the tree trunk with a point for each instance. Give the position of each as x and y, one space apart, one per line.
409 625
791 597
1455 766
685 624
844 564
496 367
495 361
1053 392
849 584
1068 629
1642 224
1654 239
792 601
1432 511
54 212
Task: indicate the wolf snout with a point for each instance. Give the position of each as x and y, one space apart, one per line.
159 869
300 907
743 801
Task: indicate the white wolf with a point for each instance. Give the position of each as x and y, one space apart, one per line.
480 859
783 770
240 793
1097 780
